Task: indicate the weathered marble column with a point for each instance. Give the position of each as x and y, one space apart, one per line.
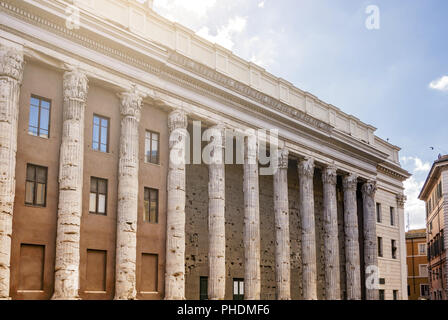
370 239
11 74
66 283
352 258
216 216
252 275
127 209
309 262
175 232
282 242
331 242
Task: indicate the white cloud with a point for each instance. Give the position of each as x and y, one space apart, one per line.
440 84
261 5
225 34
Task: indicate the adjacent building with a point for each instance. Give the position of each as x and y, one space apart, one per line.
102 102
435 195
417 262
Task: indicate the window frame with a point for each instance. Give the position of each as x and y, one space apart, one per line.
203 296
392 216
239 296
380 247
394 248
97 193
425 250
157 160
149 206
34 204
379 218
99 133
34 96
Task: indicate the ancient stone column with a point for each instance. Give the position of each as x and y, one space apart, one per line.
11 74
252 276
127 209
370 240
282 243
331 242
175 241
309 262
66 283
352 258
216 216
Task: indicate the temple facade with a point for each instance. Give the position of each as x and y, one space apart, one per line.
140 161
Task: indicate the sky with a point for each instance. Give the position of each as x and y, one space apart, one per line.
392 75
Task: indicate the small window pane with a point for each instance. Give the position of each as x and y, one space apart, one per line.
96 134
31 173
235 288
45 104
35 102
242 288
44 119
101 203
146 212
93 185
92 202
41 175
96 120
29 192
104 135
34 116
102 186
40 194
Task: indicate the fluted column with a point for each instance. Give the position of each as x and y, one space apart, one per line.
11 74
331 242
216 216
252 276
66 284
352 258
175 232
282 243
127 209
309 263
370 238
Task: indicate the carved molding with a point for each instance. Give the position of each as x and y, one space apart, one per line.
329 175
131 103
177 120
306 168
369 189
401 200
11 63
75 85
350 182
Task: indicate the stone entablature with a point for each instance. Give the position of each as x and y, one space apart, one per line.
142 21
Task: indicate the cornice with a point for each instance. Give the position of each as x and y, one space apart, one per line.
401 175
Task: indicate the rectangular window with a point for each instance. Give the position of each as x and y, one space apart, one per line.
378 212
381 294
98 196
382 281
392 216
424 290
36 186
423 270
395 294
203 288
238 289
151 213
394 249
422 249
39 121
152 147
380 247
100 138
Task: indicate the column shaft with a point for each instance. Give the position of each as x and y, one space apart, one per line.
252 277
352 257
66 285
370 240
282 243
331 242
11 74
127 209
309 263
175 241
216 216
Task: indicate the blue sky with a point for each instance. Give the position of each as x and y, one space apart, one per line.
381 76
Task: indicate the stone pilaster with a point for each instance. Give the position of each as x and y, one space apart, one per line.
309 262
127 209
370 239
175 241
282 242
401 201
11 74
331 242
352 257
216 216
66 284
252 273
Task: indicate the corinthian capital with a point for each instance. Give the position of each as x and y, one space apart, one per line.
131 103
401 200
177 120
283 159
329 175
350 182
11 63
369 188
75 85
306 167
